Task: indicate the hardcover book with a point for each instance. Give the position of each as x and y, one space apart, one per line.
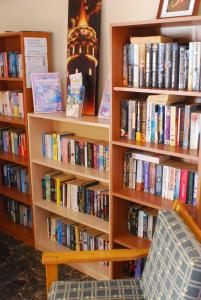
47 95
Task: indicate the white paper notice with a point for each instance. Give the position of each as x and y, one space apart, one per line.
35 57
35 46
35 65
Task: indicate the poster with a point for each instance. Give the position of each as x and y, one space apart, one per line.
83 48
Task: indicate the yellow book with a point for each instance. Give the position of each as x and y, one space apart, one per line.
59 180
55 146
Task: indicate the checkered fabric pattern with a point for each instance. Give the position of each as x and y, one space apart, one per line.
173 267
125 289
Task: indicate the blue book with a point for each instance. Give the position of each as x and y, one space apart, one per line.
146 176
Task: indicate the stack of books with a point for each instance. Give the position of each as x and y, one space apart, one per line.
162 119
13 141
158 175
75 236
158 62
76 150
86 196
18 213
10 64
15 176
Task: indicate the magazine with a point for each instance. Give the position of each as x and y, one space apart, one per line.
47 95
104 110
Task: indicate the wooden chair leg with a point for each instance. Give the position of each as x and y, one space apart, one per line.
51 275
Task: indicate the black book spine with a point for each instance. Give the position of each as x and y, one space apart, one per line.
168 65
182 51
175 65
154 65
124 118
77 153
148 71
130 64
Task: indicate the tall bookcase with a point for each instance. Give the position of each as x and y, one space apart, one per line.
88 127
182 29
14 41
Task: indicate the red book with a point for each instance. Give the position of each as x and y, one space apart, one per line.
183 185
5 63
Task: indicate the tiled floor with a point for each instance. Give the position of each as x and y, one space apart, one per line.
22 276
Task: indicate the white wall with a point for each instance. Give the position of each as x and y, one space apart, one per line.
51 15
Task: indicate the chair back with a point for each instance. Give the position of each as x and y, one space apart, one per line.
173 267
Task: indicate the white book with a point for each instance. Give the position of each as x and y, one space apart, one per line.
167 125
21 104
136 79
130 173
140 169
148 122
150 226
58 147
165 181
190 66
171 183
196 66
68 195
1 103
74 204
195 130
134 163
140 223
130 107
150 157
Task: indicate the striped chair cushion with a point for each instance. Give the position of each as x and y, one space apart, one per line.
173 267
125 289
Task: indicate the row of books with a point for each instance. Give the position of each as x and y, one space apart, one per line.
134 268
15 176
142 221
76 150
18 213
75 236
13 141
149 121
86 196
11 64
157 175
162 64
11 104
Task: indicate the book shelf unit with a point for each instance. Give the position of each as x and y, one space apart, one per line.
14 41
88 127
182 29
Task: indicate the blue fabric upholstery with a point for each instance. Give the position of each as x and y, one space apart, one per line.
173 267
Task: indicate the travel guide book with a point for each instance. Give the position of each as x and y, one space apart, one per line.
47 95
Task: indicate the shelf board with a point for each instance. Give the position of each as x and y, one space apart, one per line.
83 120
18 231
11 78
14 194
95 270
159 148
13 120
158 91
73 169
79 217
143 198
14 158
132 242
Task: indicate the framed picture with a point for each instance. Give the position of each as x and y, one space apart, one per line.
177 8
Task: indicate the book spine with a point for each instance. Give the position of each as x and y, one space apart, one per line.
183 185
153 123
171 183
195 189
148 122
159 177
136 79
142 65
161 112
148 71
177 184
196 66
140 176
139 122
186 126
146 176
125 65
124 118
130 64
152 178
154 65
165 181
190 66
175 66
181 134
194 130
189 199
182 80
173 126
144 113
133 119
168 65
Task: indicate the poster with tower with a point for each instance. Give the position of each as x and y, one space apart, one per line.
83 48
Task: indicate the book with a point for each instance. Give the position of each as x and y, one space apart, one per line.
150 39
47 95
164 99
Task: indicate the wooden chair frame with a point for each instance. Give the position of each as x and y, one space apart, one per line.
51 260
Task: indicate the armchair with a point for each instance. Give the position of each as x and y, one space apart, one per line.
172 270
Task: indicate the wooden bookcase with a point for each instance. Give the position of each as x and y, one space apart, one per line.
89 127
14 41
182 29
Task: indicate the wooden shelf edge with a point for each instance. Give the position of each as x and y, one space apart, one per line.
159 148
11 78
14 158
18 231
73 169
132 242
15 195
85 219
158 91
13 120
83 120
94 270
143 198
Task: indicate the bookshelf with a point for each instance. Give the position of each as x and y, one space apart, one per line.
14 42
88 127
182 29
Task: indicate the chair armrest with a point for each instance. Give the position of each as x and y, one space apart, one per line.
52 259
93 256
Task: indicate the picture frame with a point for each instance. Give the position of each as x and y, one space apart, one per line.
177 8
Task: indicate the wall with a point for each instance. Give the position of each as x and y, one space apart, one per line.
51 15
